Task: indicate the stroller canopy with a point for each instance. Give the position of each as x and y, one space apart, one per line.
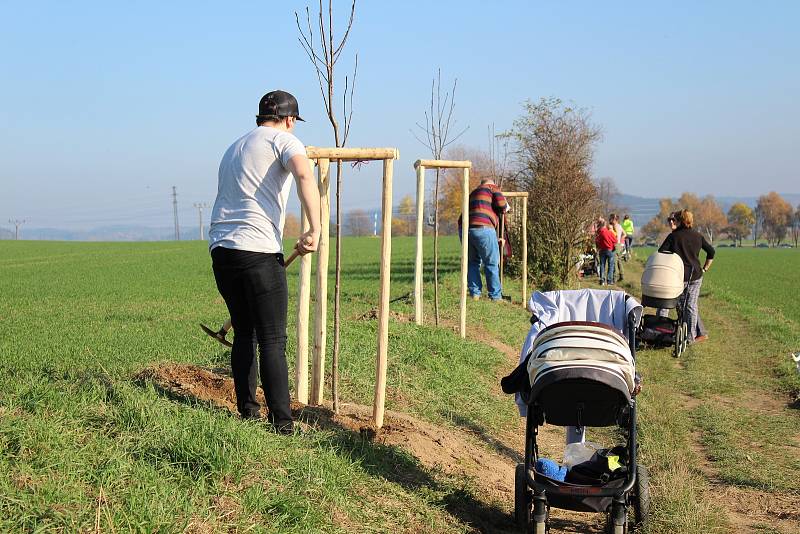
662 280
582 348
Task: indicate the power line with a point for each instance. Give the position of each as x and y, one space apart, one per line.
200 206
17 223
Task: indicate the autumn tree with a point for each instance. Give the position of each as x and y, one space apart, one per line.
740 221
404 223
553 151
709 217
776 217
657 227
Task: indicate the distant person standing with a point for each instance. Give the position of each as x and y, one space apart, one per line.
486 205
246 243
619 234
606 242
627 226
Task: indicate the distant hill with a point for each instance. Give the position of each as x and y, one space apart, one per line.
641 210
106 233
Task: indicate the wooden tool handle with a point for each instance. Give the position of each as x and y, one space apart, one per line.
289 261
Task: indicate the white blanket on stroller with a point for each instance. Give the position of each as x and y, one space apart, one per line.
598 305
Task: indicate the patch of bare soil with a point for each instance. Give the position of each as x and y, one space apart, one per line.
454 452
435 447
750 508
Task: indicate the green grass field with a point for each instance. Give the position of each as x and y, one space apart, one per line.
84 446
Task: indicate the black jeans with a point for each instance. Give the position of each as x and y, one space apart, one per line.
253 285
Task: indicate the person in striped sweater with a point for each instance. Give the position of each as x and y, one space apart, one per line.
486 205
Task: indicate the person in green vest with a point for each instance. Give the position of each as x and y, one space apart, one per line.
627 226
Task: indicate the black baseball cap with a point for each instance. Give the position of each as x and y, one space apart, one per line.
279 103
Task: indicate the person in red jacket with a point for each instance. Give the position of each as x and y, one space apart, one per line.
606 242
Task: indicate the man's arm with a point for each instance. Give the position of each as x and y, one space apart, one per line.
308 192
499 202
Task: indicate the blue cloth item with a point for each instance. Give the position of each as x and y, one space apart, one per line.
483 249
551 469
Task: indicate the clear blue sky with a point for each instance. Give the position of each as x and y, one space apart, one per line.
105 106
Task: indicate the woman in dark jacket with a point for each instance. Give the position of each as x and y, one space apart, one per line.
687 243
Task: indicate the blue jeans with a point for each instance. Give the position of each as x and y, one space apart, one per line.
607 264
483 249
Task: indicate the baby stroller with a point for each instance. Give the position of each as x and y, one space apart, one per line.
663 288
578 369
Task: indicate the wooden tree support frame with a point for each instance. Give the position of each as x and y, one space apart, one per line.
524 196
323 158
421 165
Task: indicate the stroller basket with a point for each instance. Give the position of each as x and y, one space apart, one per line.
578 497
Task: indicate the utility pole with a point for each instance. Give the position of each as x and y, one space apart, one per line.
175 213
200 206
17 223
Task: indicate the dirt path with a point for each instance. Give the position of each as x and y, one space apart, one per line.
733 340
748 509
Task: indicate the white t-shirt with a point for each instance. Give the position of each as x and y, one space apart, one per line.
253 189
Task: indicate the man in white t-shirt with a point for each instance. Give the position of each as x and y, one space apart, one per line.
246 243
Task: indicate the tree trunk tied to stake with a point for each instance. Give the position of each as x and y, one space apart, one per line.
323 56
437 138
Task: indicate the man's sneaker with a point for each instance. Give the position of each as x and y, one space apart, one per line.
476 297
286 429
700 339
250 415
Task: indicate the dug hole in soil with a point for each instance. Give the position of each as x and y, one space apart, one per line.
435 447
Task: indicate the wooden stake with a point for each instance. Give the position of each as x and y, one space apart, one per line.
321 293
352 154
524 252
502 246
443 164
383 307
420 226
303 302
464 250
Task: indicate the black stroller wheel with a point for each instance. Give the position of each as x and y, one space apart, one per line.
678 341
641 499
522 497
